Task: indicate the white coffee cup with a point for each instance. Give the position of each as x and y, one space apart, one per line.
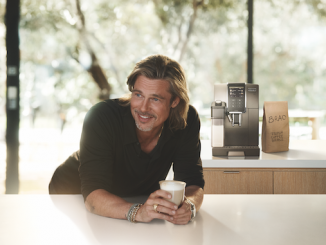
175 188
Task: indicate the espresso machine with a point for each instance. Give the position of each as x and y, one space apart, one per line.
235 120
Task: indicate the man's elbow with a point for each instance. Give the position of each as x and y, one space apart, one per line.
89 206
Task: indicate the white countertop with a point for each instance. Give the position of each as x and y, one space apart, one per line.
301 154
223 219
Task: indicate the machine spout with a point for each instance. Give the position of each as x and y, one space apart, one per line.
235 119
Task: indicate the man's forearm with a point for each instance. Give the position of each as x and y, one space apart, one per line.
195 194
103 203
106 204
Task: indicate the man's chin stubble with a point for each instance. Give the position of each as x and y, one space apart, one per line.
150 127
144 129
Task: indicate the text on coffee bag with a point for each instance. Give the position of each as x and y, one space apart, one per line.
278 118
277 136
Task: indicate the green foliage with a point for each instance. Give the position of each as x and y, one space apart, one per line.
289 51
209 39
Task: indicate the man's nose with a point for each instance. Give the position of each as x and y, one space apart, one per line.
145 105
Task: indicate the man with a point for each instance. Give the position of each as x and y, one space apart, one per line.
128 145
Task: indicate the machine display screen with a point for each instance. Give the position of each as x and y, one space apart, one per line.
236 101
236 92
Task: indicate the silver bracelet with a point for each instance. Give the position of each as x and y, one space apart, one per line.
130 211
192 208
134 213
131 216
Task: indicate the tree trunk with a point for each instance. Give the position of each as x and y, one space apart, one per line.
99 77
95 70
193 17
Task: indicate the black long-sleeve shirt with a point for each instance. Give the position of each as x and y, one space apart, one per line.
111 157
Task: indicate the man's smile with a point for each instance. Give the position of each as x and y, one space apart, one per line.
144 118
145 115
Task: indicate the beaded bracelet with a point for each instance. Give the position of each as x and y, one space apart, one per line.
130 211
134 212
131 216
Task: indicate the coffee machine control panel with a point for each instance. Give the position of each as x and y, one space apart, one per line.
236 98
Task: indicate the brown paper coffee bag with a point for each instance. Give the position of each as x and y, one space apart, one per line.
275 130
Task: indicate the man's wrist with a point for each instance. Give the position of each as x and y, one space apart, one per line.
192 208
131 215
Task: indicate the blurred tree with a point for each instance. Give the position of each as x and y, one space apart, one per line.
51 18
106 39
179 16
195 32
94 68
289 52
77 51
54 35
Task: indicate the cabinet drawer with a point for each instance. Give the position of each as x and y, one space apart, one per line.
299 182
238 182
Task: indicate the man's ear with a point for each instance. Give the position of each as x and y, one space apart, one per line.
175 102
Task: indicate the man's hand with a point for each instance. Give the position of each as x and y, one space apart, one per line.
106 204
165 210
183 215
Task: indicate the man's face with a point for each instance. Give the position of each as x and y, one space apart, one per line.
151 102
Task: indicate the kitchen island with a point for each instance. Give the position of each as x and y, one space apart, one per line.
223 219
301 170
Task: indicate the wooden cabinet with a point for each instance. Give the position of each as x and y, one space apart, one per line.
242 181
265 181
300 182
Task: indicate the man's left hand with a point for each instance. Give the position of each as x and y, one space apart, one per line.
182 215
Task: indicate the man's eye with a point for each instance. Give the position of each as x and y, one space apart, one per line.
155 99
138 95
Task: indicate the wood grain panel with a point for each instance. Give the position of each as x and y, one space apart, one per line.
300 182
238 182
